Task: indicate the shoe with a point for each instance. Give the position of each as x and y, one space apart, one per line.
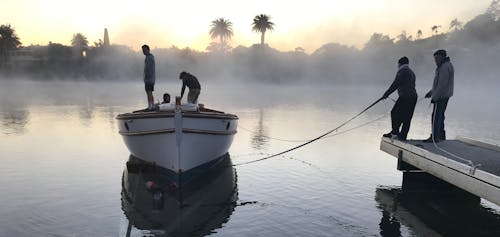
390 135
403 139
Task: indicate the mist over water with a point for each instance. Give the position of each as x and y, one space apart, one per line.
473 47
62 156
63 161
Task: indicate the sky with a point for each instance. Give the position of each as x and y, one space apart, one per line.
161 24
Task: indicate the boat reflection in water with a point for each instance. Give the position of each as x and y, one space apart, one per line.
155 207
428 214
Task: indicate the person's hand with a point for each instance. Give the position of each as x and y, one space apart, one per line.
428 95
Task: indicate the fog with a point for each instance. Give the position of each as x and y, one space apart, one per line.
474 49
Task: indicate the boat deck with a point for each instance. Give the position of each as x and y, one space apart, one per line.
200 112
470 165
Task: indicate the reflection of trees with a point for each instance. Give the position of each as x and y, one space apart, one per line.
86 113
14 121
259 136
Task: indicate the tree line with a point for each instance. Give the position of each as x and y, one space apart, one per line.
474 46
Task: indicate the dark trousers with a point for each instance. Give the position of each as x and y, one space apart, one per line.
401 114
438 119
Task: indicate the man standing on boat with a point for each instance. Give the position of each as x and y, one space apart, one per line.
149 75
402 112
442 90
194 87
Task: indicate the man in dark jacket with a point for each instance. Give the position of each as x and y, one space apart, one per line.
442 90
194 87
402 112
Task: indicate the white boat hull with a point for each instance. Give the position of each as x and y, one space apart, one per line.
178 141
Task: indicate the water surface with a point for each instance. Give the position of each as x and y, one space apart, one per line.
63 162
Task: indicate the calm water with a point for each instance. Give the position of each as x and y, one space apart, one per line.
63 163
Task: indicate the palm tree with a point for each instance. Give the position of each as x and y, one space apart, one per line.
223 29
80 44
419 34
455 24
261 24
79 41
8 40
434 29
404 36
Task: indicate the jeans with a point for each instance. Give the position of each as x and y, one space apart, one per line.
401 114
438 119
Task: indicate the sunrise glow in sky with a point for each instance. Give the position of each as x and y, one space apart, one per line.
308 24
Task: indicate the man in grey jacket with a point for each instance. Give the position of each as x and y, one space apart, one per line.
149 75
442 90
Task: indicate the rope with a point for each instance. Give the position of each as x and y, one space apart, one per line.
312 140
305 140
469 162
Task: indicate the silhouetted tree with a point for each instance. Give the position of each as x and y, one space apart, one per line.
8 40
419 34
261 23
455 24
98 43
434 29
80 44
223 29
494 9
299 50
404 37
79 40
483 28
379 40
214 46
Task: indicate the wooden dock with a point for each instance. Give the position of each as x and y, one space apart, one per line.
470 165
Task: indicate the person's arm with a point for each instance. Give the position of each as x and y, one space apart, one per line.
429 94
183 88
395 84
150 64
442 83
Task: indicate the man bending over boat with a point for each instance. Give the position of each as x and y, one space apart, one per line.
402 112
194 87
149 75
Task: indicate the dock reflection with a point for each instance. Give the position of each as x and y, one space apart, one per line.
426 214
153 207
